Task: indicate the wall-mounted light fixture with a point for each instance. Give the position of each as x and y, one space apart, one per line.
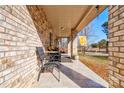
97 8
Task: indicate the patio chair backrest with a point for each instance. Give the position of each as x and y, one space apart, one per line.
41 54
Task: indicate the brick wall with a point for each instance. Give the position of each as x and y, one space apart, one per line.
116 46
40 20
19 38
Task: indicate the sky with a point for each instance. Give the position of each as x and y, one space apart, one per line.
96 31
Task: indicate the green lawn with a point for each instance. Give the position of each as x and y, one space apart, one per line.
98 59
101 57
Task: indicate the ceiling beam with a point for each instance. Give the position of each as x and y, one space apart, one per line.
90 15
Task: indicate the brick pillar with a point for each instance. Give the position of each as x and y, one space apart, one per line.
116 46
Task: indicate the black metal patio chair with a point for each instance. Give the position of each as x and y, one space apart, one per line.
46 64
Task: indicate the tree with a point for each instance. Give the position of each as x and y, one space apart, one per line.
86 32
94 45
102 43
105 30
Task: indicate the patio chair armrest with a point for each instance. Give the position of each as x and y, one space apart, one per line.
52 64
56 62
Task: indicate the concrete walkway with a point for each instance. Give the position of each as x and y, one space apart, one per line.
73 74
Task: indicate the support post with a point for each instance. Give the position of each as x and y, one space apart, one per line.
73 44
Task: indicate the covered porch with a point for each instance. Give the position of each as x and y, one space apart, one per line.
66 22
45 26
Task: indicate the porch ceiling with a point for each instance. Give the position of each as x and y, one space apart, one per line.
65 18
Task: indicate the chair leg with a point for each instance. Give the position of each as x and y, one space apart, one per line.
39 75
59 74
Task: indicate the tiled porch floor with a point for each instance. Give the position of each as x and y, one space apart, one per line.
73 75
